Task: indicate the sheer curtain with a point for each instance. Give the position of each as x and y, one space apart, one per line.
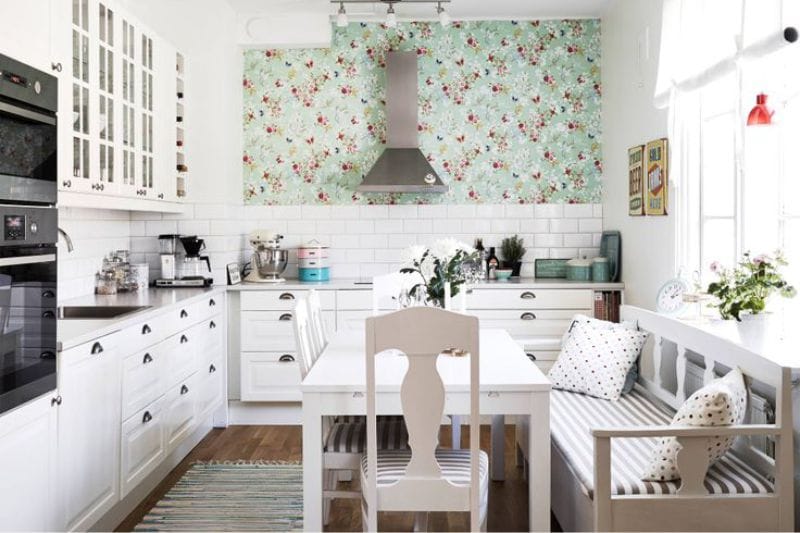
715 56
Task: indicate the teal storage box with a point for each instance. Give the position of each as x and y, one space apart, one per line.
314 274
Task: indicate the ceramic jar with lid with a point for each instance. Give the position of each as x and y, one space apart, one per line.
579 269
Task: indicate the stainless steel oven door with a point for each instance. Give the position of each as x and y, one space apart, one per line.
28 343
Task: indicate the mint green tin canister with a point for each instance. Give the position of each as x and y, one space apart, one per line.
601 270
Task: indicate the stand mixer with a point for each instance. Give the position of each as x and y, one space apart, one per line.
269 261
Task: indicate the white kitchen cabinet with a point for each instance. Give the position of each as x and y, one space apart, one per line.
28 438
181 401
143 445
143 378
26 33
116 98
88 432
270 377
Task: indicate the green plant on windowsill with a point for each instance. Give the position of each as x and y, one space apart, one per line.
745 288
513 250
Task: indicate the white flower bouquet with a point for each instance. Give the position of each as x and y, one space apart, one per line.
437 266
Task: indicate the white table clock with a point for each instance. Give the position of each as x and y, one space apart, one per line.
670 297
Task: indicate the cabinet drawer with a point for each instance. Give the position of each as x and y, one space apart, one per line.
147 333
354 300
267 331
182 351
277 300
143 441
530 299
142 375
270 376
211 388
206 307
522 323
103 346
180 412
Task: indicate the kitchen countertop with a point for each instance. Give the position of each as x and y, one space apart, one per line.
72 332
514 283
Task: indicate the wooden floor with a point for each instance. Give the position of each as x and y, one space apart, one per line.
508 500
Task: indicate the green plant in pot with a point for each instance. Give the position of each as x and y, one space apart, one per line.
513 250
744 289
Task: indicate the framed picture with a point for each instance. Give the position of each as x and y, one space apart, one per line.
636 181
657 189
234 277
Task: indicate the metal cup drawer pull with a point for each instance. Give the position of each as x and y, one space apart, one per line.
184 389
184 339
285 317
286 358
531 356
146 330
212 369
147 417
147 359
286 296
48 294
527 316
527 295
48 314
493 394
97 348
212 303
212 325
184 314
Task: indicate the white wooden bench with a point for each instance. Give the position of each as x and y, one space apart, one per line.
599 448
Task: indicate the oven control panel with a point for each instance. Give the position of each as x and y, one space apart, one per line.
14 227
26 226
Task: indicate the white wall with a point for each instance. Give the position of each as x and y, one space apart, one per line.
629 119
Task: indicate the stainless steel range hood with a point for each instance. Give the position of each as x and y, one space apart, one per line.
402 167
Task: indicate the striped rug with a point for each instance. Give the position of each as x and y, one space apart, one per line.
232 496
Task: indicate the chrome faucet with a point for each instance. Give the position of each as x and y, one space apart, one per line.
67 239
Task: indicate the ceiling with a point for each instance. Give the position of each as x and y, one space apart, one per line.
458 9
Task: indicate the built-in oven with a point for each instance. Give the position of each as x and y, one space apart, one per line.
28 303
28 136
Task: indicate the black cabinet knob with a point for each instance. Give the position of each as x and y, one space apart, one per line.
286 358
147 359
146 329
147 417
184 314
97 348
184 389
184 339
212 369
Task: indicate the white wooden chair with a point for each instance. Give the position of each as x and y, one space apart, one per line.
423 479
319 332
344 439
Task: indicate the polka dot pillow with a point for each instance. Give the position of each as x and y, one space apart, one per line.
723 402
595 360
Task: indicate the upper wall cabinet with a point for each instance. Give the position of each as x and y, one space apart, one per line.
116 109
26 34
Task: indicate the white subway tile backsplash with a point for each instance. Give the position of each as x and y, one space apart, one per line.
563 225
578 210
563 253
577 240
286 212
345 241
403 211
418 226
159 227
534 225
490 211
548 211
299 227
597 210
345 212
373 211
519 211
508 225
360 255
374 240
315 212
591 225
432 211
460 211
193 227
360 226
388 226
548 240
476 226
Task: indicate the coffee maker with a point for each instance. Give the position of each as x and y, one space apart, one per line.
187 269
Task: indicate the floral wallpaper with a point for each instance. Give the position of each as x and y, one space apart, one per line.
509 112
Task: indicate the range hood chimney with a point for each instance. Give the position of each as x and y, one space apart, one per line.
402 167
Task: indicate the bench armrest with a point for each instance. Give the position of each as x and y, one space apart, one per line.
686 431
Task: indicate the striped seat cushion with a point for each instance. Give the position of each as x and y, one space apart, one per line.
455 465
351 437
361 418
573 416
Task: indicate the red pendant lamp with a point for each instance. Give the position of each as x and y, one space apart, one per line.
760 115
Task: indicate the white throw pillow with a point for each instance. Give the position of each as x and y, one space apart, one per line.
595 360
723 402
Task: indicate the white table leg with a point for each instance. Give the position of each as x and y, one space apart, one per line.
312 463
539 463
455 433
498 447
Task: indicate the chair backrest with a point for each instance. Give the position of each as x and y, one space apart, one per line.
319 334
386 289
302 337
422 334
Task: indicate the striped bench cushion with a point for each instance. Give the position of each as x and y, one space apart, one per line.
361 418
352 437
573 416
455 465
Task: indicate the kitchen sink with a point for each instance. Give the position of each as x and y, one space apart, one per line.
99 312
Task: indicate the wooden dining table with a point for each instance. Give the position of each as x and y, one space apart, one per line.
509 385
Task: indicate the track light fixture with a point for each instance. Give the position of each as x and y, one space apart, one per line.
341 16
391 16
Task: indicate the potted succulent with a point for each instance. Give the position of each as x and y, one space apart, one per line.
513 250
742 291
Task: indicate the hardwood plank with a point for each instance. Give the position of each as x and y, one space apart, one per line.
508 500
